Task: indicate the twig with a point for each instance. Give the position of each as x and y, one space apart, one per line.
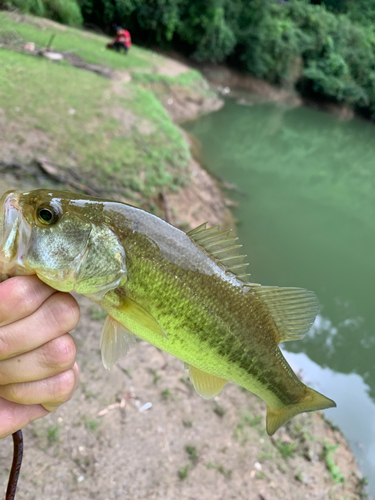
53 171
49 44
121 405
16 465
45 467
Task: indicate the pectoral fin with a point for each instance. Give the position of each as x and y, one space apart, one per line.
130 314
134 313
206 385
115 342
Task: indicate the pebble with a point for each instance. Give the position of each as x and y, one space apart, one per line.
145 407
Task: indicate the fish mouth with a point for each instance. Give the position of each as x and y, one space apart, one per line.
9 217
10 221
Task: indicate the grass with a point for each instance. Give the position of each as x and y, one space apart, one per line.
155 374
247 420
53 434
166 394
93 424
89 46
219 410
192 453
329 451
221 469
96 313
183 472
362 486
265 455
124 139
286 450
187 424
189 78
116 134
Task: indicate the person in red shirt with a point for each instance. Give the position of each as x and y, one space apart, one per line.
122 40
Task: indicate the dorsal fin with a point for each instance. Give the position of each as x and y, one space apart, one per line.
222 248
293 310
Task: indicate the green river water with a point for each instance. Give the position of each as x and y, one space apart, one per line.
309 220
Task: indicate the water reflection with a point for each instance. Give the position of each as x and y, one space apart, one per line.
350 393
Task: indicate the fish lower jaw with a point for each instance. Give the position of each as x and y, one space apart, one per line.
11 269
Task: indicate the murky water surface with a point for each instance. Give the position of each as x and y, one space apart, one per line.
309 220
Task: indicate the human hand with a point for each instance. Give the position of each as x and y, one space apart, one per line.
37 356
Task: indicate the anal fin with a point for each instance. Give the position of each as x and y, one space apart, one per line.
115 342
206 385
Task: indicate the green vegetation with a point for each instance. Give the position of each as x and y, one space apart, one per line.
93 424
121 138
53 433
362 485
247 420
192 453
328 452
103 132
96 313
220 468
219 410
187 424
63 11
166 394
155 374
286 450
183 472
89 46
327 47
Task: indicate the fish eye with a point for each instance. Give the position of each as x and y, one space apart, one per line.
47 215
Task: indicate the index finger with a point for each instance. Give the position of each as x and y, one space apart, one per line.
20 297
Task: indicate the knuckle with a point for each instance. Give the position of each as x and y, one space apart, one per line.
63 312
13 392
63 386
4 345
20 296
60 352
23 291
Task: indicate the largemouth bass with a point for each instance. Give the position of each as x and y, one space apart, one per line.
185 293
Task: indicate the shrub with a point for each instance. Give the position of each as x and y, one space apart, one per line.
63 11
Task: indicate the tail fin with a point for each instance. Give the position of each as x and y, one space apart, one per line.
312 400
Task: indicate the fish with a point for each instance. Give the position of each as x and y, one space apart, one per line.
186 293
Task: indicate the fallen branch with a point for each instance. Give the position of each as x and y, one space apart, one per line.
61 174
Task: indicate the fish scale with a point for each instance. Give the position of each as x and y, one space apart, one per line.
219 336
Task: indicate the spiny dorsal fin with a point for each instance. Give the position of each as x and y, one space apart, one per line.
222 248
206 385
293 310
115 342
